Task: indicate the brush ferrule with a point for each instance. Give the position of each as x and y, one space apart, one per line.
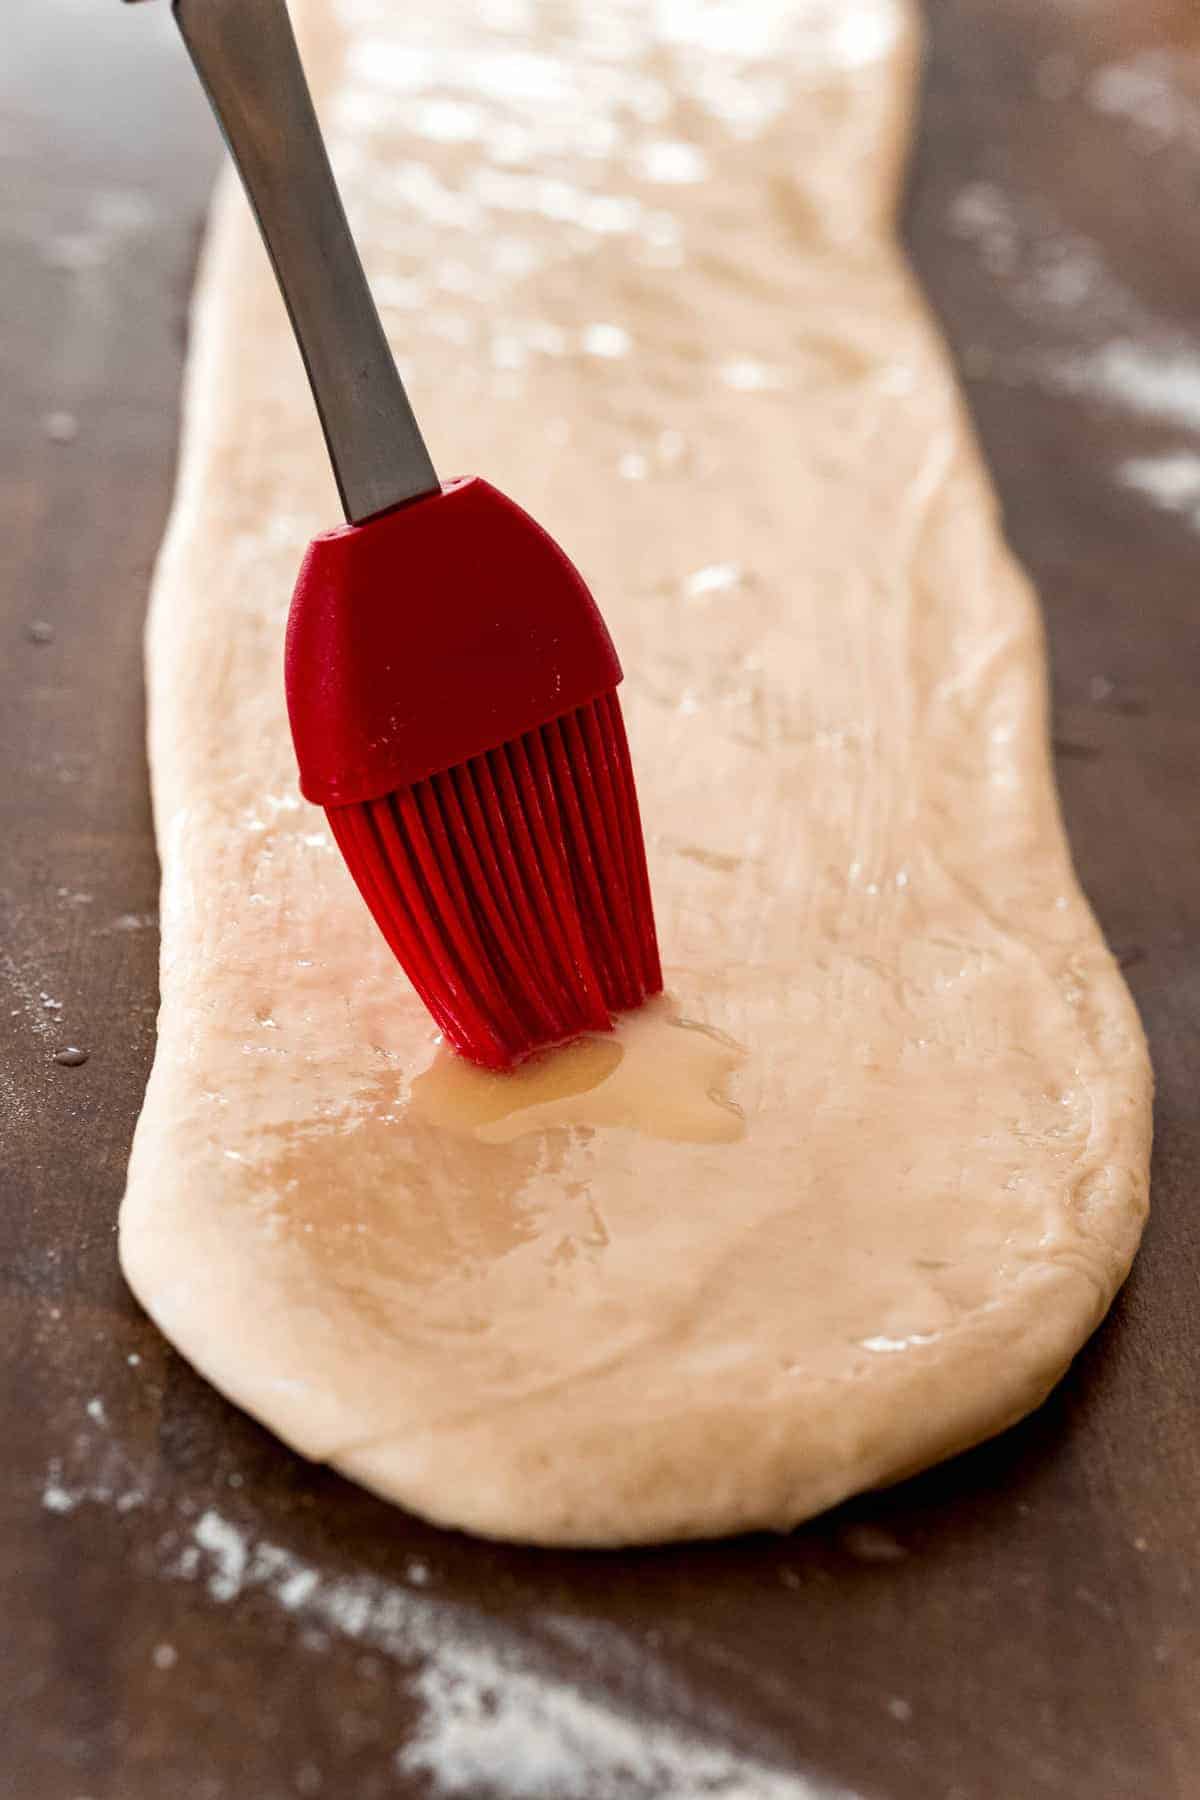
430 635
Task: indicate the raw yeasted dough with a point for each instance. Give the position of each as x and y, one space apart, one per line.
725 399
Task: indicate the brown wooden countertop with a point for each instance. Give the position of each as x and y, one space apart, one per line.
1022 1623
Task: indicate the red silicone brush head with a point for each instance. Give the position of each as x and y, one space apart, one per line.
451 690
513 887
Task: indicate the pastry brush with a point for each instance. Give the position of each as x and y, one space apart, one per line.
450 683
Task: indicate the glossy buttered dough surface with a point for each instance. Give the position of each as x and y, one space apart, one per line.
852 1196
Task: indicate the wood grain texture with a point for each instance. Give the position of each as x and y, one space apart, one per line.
1022 1622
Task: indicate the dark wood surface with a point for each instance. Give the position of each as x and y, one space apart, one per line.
1022 1623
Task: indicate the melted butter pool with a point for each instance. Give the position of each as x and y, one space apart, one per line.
657 1073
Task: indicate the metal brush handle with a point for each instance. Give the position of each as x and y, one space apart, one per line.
245 54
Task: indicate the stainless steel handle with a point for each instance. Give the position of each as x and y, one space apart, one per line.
246 57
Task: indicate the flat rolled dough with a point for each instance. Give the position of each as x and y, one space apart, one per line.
638 263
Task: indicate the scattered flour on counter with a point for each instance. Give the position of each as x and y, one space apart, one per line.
96 1468
61 1496
1050 270
984 215
1122 354
1148 93
227 1548
1159 381
1118 353
491 1728
144 921
24 987
114 218
1170 481
496 1724
578 1711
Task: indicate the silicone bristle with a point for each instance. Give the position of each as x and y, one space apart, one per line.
513 888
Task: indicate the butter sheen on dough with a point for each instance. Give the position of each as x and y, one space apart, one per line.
641 273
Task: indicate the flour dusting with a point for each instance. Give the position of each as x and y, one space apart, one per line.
1049 270
227 1549
1116 351
1171 482
586 1713
62 1496
1159 381
1146 92
494 1729
498 1722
